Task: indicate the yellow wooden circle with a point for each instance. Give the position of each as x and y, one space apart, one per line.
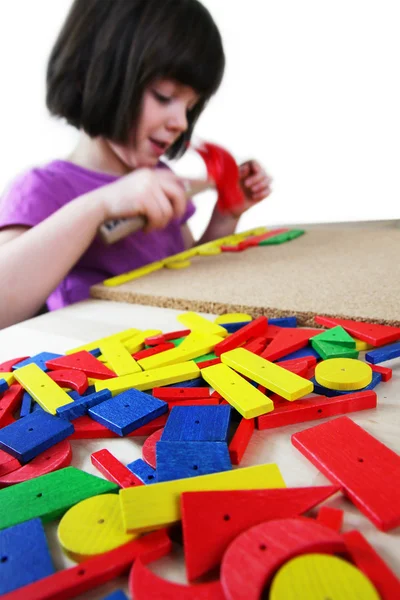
343 374
182 264
321 577
233 318
92 527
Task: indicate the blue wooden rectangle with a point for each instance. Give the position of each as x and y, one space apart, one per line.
198 382
77 396
197 424
117 595
26 438
234 327
320 389
382 354
24 555
179 460
3 386
284 322
143 471
128 411
39 360
80 407
26 405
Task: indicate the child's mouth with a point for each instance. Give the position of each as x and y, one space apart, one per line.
158 146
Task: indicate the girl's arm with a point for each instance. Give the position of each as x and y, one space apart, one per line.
34 261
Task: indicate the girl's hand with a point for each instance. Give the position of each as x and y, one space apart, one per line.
255 183
158 195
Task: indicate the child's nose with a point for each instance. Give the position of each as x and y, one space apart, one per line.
178 119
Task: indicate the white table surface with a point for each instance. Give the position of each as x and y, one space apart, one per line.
93 319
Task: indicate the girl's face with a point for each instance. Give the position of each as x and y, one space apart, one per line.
163 119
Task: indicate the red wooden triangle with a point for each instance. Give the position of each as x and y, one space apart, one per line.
211 520
288 340
376 335
82 361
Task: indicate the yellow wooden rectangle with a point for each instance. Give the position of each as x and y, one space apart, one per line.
195 322
135 274
118 358
42 388
149 379
247 399
184 352
136 343
275 378
121 336
152 506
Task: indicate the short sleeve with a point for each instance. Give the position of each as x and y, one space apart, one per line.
29 200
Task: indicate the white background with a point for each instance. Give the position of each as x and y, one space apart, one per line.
311 90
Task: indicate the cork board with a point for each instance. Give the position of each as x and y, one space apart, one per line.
352 274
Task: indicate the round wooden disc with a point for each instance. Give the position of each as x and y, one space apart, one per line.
343 374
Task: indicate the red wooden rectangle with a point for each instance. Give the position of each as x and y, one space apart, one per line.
367 470
241 440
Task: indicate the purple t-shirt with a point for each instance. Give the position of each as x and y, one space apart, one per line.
37 194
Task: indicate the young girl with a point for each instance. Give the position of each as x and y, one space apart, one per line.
133 76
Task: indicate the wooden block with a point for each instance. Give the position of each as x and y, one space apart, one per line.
233 327
300 367
255 328
3 386
240 440
113 469
208 363
367 470
273 377
247 400
327 350
256 345
24 555
149 448
42 388
315 407
86 428
150 379
195 322
226 514
197 424
143 471
385 372
304 352
180 354
34 434
336 335
371 564
284 322
344 374
267 546
153 350
320 389
49 496
6 367
118 358
179 460
283 237
383 354
232 318
9 402
121 336
377 335
92 527
179 393
76 380
56 457
135 274
71 582
144 584
157 505
361 346
8 463
136 342
128 411
288 341
38 359
78 408
330 517
317 576
82 361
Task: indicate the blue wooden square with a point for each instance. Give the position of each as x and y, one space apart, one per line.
24 555
179 460
128 411
143 471
197 423
35 433
39 360
80 407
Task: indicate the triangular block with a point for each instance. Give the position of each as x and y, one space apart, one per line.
211 520
288 340
336 335
82 361
327 350
377 335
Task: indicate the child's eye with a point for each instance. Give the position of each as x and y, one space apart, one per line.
161 98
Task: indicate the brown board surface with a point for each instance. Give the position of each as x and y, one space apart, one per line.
345 273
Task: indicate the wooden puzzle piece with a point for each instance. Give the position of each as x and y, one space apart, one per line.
336 335
232 318
385 372
179 393
76 380
272 376
56 457
92 527
42 388
82 361
180 460
315 407
367 470
135 274
330 517
149 448
9 402
383 354
196 322
80 407
327 350
8 463
86 429
197 424
377 335
118 358
180 354
128 411
143 471
255 328
246 399
6 367
33 434
320 389
149 507
150 379
240 440
49 496
288 341
317 576
344 374
226 514
153 350
38 359
24 555
112 469
255 555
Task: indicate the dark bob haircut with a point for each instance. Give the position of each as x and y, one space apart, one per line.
109 51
